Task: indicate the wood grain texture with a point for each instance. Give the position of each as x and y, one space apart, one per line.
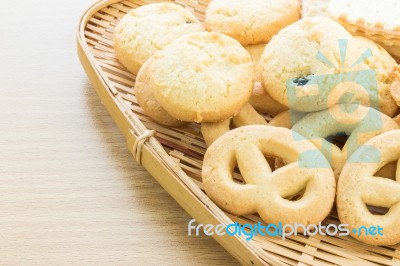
70 192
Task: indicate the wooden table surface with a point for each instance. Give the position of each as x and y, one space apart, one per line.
70 192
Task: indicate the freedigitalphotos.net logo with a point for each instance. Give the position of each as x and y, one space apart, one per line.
344 86
249 231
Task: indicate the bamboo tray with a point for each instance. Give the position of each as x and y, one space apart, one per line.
174 156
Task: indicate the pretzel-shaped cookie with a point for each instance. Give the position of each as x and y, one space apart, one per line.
286 119
358 187
246 116
267 192
359 122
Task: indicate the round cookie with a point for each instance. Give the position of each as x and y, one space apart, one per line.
252 21
148 29
314 64
147 101
202 77
260 99
383 64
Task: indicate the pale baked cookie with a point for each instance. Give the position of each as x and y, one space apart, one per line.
390 45
148 29
378 39
314 64
252 21
395 86
289 118
381 16
202 77
383 64
286 119
360 186
359 29
260 99
314 8
246 116
383 38
360 123
263 102
256 52
374 19
147 101
265 191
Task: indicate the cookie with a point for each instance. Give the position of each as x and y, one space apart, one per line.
314 64
246 116
368 31
378 39
358 122
202 77
253 21
263 191
289 118
395 86
379 15
263 102
286 119
147 101
148 29
376 20
256 52
383 64
314 8
359 186
260 99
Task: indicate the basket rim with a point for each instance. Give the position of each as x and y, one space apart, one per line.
153 147
160 164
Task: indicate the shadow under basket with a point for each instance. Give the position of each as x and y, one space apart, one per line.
174 156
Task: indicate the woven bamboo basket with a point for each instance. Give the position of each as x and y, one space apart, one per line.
174 156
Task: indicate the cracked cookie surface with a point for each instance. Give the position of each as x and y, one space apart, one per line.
148 29
251 22
315 63
202 77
